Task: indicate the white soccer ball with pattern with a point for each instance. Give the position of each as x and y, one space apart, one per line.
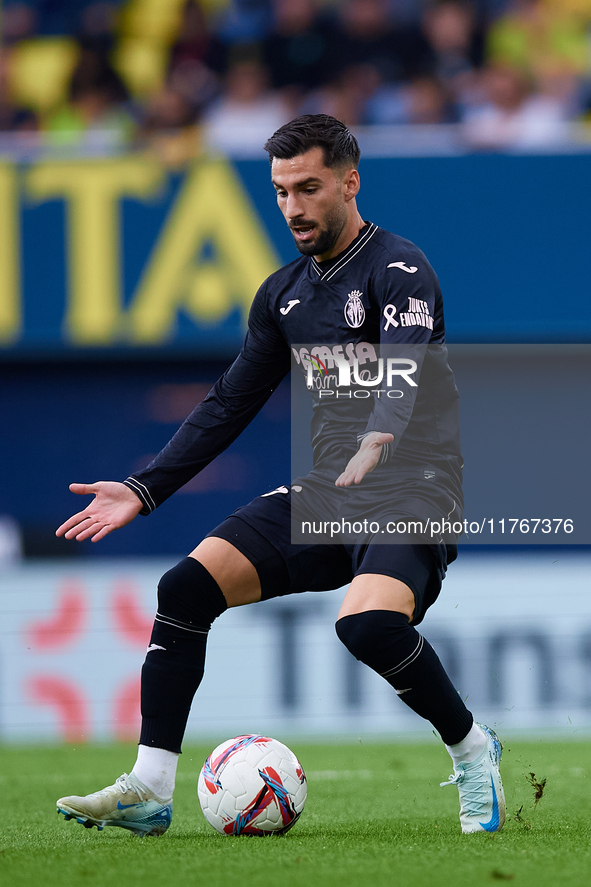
252 785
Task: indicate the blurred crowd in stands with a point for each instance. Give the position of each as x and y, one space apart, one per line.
180 76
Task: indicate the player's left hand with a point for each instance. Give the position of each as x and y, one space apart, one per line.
365 459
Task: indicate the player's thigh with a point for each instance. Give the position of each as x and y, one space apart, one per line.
374 591
235 574
281 568
405 577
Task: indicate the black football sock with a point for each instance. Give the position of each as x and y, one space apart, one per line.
385 640
189 599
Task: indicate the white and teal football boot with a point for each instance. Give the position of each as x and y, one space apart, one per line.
127 804
482 801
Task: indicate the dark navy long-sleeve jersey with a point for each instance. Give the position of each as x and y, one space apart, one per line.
381 291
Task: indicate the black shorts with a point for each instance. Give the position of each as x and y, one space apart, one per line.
261 531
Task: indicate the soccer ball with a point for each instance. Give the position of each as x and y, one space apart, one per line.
252 785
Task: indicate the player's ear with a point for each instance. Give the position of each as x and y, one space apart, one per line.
351 184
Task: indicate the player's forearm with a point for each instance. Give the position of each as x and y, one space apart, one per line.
191 449
393 408
213 425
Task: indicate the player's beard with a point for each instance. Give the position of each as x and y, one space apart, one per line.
326 237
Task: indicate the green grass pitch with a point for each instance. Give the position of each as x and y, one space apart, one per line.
375 816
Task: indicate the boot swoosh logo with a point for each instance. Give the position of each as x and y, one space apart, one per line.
493 824
121 806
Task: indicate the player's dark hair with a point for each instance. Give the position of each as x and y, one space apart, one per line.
338 145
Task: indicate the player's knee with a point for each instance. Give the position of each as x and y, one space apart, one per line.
189 594
368 635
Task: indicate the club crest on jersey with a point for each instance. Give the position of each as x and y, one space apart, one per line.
354 309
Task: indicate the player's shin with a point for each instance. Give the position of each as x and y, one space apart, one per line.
189 599
385 640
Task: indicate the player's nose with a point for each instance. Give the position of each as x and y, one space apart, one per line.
293 208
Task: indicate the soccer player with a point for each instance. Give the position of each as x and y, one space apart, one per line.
355 288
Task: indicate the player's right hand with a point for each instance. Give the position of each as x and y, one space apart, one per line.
113 506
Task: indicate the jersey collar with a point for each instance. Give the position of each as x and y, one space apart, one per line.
327 270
